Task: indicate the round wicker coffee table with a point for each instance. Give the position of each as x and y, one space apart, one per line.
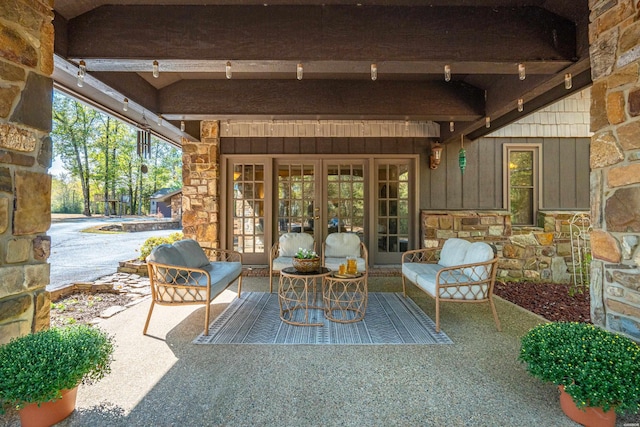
344 297
297 292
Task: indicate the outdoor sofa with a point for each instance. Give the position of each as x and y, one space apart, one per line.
460 272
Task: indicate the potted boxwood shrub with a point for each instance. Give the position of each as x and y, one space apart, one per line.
41 372
595 367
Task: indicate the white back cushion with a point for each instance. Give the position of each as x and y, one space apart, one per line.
290 243
339 245
453 252
478 252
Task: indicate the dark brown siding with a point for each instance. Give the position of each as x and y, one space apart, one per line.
565 175
565 167
312 145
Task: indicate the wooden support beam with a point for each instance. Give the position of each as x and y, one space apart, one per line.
314 33
320 99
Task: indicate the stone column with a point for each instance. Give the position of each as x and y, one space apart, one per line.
200 189
614 35
26 64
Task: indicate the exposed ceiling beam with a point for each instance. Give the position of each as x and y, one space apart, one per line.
317 33
320 99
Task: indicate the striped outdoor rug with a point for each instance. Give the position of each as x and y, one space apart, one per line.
390 319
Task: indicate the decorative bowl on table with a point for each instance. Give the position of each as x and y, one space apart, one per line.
306 265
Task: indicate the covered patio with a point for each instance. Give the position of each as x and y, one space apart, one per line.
243 81
163 379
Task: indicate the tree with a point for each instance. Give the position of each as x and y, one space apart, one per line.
100 151
65 194
74 136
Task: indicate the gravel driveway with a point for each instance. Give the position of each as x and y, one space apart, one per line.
78 256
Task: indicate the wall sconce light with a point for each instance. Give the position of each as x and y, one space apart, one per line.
436 155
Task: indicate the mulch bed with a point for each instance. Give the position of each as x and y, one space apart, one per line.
552 301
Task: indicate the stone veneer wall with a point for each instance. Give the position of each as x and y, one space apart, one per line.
614 34
200 186
529 253
26 64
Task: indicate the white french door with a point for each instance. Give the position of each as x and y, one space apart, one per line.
268 197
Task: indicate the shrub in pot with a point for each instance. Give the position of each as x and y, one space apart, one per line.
37 368
597 368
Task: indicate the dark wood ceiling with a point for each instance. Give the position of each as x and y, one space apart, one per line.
410 41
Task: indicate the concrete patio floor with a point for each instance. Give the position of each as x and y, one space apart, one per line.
164 380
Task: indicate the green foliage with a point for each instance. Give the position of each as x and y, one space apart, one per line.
36 367
152 242
306 254
598 368
100 154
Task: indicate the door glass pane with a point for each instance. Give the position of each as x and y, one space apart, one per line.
393 208
296 198
345 205
248 208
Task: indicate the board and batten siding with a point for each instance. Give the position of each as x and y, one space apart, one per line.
565 175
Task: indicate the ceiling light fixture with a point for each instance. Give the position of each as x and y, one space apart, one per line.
156 69
520 104
160 120
125 104
568 81
522 72
299 71
227 70
487 121
374 71
182 126
452 127
447 73
82 70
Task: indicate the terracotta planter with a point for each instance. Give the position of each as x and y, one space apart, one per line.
306 265
49 413
588 416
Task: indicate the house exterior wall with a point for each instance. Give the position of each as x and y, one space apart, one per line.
26 64
614 34
529 253
565 174
200 186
